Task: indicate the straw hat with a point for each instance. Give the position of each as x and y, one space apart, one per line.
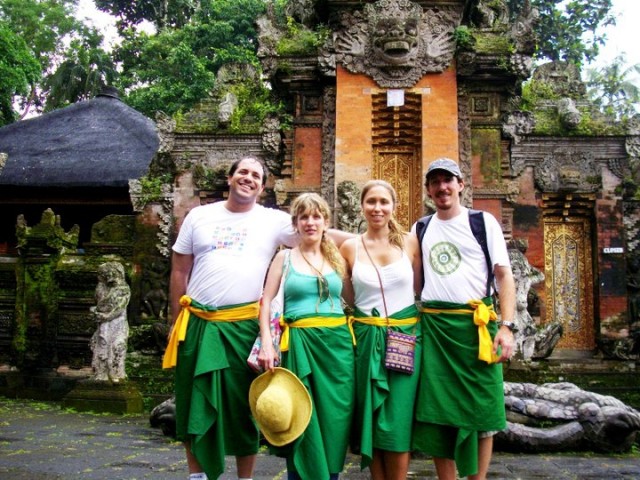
281 406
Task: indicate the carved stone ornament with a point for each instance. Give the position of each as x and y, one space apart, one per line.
166 127
395 42
523 29
518 124
568 171
562 78
632 146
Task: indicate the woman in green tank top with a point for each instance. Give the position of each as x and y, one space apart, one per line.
317 344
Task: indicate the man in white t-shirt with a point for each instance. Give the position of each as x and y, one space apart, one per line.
460 402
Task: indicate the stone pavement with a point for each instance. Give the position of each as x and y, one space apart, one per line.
40 441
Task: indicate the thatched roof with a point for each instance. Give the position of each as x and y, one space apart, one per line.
95 143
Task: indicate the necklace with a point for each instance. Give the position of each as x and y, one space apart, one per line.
318 272
323 284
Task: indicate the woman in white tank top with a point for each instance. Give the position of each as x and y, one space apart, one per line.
381 265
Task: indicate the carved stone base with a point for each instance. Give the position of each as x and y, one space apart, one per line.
104 396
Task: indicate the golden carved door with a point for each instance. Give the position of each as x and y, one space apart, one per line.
400 167
396 152
569 280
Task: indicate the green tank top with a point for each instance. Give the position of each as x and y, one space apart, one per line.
301 295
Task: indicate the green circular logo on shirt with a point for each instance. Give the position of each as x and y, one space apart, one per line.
444 258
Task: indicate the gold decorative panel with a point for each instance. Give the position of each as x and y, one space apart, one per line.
569 280
397 139
399 167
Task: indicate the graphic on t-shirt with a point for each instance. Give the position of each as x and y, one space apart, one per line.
444 258
228 238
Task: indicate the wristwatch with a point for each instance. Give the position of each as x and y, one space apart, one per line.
510 325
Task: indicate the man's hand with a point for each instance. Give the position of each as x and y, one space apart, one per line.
505 339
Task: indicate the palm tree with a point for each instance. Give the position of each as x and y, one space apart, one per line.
614 89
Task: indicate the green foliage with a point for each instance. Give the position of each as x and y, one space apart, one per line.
45 26
612 90
175 13
493 43
568 30
19 69
534 92
464 38
255 103
299 40
152 187
84 72
174 69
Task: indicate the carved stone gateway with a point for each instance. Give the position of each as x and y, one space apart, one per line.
395 42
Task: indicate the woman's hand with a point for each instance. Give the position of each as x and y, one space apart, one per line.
267 357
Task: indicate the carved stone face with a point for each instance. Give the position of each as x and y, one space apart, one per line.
395 41
570 179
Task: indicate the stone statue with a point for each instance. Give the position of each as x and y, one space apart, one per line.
348 216
109 342
524 275
584 420
227 106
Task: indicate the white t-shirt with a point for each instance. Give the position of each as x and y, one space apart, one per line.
232 251
454 266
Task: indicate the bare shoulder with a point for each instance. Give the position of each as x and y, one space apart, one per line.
410 242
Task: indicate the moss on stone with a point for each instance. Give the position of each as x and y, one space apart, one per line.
493 43
486 144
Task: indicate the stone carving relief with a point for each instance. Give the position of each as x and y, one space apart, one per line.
585 421
569 114
568 170
109 342
166 127
393 41
518 124
271 136
562 78
490 13
348 215
328 145
523 29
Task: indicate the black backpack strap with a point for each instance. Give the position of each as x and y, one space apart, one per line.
476 221
421 228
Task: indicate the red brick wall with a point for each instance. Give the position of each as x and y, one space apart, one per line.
307 157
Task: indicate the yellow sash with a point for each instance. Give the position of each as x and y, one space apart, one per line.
382 322
311 322
482 315
179 331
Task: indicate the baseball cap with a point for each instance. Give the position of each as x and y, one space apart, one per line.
445 164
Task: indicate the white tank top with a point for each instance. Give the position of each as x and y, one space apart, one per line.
397 280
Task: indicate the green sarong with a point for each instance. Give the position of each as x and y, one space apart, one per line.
459 395
212 385
323 359
385 399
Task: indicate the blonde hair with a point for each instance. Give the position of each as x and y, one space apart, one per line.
311 203
396 232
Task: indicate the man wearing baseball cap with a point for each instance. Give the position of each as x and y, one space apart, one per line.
460 404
